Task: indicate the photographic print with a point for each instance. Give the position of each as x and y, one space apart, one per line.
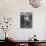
26 19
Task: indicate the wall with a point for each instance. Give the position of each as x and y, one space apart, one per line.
12 8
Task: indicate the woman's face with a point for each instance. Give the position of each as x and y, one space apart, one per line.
26 17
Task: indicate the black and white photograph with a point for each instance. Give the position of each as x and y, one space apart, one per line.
26 19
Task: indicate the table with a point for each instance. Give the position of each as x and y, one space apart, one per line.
28 43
